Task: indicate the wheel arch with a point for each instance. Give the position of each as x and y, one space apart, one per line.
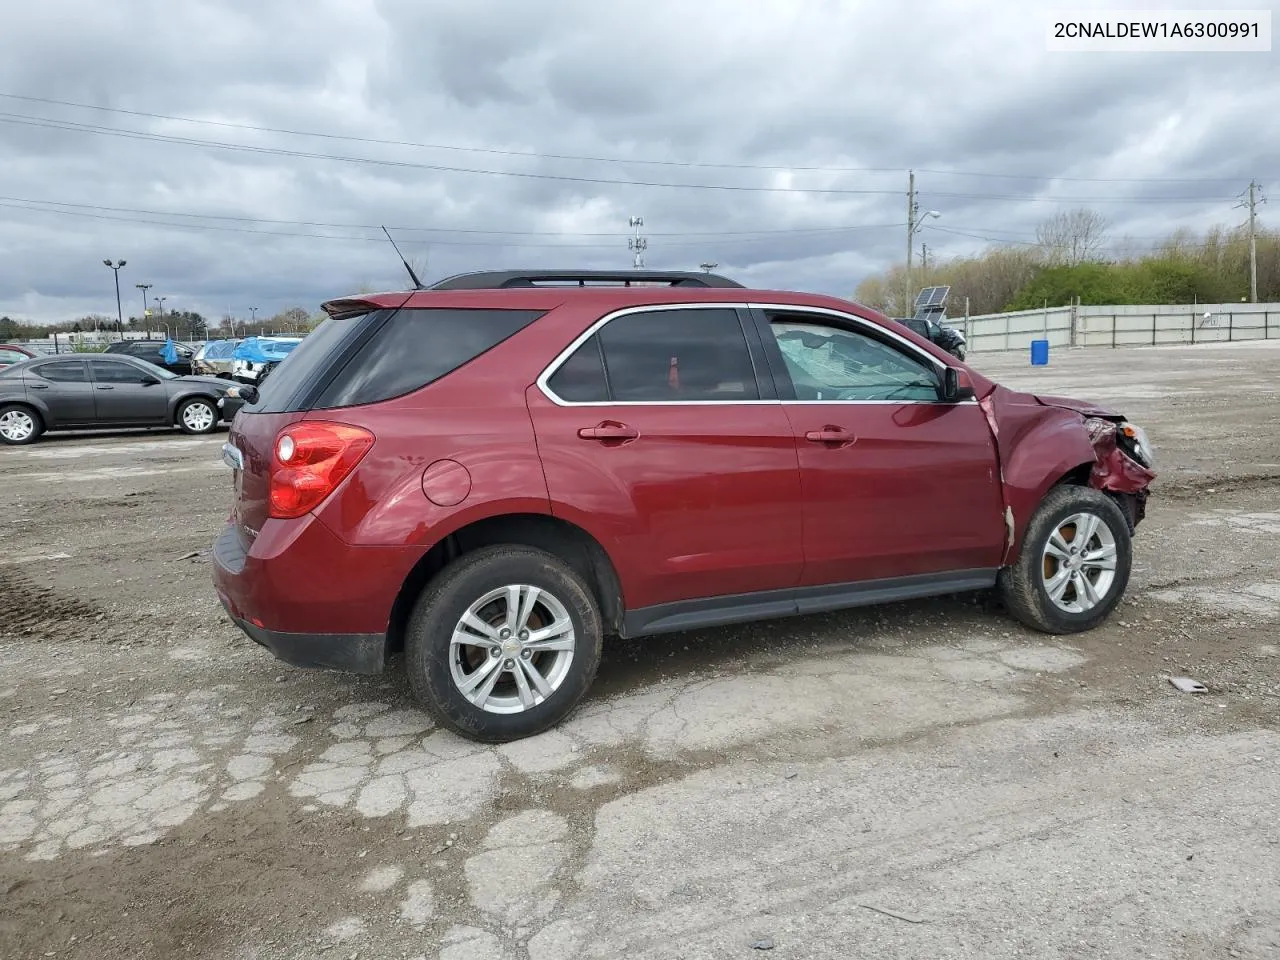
568 541
176 402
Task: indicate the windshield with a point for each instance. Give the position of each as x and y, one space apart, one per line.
155 371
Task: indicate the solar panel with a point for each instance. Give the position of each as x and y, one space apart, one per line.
932 297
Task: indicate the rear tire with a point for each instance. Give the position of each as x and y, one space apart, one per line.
197 416
19 425
517 684
1059 584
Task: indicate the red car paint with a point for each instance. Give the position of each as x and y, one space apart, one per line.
703 503
16 349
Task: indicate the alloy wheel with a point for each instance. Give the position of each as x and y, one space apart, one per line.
512 649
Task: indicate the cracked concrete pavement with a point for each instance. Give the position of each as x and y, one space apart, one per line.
924 780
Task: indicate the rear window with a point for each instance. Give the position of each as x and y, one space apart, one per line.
414 348
305 365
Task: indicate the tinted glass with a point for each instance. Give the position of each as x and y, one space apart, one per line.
64 371
107 371
580 378
309 361
830 363
414 348
665 355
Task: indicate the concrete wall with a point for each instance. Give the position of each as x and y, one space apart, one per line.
1121 326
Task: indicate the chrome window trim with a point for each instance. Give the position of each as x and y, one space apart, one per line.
550 370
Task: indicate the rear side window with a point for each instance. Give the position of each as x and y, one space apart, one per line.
661 356
581 379
414 348
64 371
307 364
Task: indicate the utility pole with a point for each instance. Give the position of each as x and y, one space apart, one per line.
1255 198
638 243
115 268
146 314
912 206
708 266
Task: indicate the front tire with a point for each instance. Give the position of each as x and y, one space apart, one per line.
503 643
197 416
19 425
1074 563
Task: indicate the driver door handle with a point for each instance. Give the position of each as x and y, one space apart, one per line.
100 387
832 435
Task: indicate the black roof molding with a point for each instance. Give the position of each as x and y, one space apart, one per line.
506 279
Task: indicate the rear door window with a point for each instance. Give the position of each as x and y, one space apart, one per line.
657 356
63 371
413 348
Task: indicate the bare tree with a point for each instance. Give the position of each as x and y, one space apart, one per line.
1072 237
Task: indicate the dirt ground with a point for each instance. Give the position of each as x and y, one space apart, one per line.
925 780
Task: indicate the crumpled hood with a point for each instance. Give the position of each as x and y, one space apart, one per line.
1082 407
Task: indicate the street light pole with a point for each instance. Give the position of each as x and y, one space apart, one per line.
253 316
115 267
146 315
161 300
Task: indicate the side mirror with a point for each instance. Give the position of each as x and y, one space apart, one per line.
244 391
956 386
147 381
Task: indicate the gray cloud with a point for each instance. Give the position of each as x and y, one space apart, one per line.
940 85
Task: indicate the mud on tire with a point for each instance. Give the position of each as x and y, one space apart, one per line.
1074 563
516 628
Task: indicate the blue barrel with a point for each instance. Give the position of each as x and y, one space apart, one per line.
1039 353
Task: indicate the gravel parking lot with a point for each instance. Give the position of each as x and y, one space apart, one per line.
926 780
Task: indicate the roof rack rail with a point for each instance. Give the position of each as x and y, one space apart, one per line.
503 279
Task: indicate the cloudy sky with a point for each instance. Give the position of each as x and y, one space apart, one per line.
241 153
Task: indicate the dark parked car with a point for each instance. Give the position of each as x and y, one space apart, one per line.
495 473
12 353
152 351
99 390
948 338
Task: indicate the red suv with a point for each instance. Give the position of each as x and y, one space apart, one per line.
495 473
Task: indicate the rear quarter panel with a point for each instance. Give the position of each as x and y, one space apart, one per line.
475 417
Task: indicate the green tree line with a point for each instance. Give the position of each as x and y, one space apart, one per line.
1068 261
180 324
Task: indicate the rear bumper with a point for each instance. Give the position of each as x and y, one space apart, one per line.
349 652
310 600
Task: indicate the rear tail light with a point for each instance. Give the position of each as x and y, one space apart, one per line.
308 462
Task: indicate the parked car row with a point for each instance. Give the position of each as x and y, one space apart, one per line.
244 360
79 391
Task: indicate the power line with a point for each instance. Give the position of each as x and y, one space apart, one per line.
712 234
720 165
733 241
72 126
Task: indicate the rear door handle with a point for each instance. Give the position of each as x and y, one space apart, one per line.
38 386
100 387
831 435
609 430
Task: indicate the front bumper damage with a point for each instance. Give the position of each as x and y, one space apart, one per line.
1117 470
